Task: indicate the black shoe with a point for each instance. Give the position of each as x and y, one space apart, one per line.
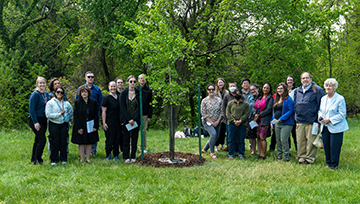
300 162
306 162
261 157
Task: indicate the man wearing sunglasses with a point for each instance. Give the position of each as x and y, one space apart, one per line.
96 95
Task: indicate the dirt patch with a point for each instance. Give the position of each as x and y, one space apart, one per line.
153 160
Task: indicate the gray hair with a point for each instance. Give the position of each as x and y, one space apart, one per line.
141 75
306 73
331 81
88 72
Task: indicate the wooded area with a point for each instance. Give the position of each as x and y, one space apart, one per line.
196 41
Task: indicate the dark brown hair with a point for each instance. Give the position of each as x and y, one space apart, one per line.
284 95
84 88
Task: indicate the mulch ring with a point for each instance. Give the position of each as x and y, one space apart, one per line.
153 160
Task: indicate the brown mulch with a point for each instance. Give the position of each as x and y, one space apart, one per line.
153 160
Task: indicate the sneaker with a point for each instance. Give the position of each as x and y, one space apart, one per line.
127 161
53 163
230 158
108 158
133 160
64 162
145 151
116 158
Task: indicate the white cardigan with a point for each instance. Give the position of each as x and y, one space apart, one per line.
52 110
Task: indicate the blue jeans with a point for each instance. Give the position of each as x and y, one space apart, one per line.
214 135
332 146
237 140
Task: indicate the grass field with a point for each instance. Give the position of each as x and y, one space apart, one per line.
217 181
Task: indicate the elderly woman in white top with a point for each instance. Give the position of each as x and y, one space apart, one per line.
332 115
58 111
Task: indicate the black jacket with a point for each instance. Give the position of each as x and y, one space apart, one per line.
266 114
124 113
80 119
146 100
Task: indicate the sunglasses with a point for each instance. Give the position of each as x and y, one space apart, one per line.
60 92
211 89
90 77
132 82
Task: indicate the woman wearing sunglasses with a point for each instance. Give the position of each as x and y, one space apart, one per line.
58 111
211 113
129 115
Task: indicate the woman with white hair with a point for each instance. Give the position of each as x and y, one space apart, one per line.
332 115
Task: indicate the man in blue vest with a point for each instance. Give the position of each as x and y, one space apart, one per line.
307 100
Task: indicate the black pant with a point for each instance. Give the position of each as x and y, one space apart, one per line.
221 138
293 134
58 141
121 140
112 139
40 139
273 140
134 134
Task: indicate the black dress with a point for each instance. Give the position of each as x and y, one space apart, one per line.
84 112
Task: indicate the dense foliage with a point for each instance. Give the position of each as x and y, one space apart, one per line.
187 42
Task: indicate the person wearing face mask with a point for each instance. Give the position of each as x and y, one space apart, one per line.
307 100
228 97
237 112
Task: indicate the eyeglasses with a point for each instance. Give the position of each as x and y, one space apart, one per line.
211 89
90 77
132 82
305 78
60 92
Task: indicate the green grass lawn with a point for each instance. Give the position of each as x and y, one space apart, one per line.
217 181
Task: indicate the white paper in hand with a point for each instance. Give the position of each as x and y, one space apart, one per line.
90 126
315 128
253 124
274 121
130 127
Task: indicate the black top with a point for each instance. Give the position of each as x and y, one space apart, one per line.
112 111
146 100
278 110
84 112
125 115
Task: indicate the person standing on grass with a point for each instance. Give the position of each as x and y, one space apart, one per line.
237 112
263 112
57 110
119 87
96 95
129 115
290 82
221 92
251 133
306 106
86 116
283 112
227 98
111 121
146 103
55 83
332 116
37 119
211 117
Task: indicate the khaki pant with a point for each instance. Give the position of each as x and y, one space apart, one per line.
306 150
145 125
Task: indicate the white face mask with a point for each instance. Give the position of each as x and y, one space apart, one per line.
232 89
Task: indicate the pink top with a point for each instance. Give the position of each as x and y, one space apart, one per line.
260 104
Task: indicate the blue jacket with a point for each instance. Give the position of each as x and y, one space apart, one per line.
37 105
306 105
287 117
96 95
336 112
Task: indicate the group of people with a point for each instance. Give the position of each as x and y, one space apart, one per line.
251 113
120 112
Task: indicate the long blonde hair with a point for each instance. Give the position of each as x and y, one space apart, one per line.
217 89
39 78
